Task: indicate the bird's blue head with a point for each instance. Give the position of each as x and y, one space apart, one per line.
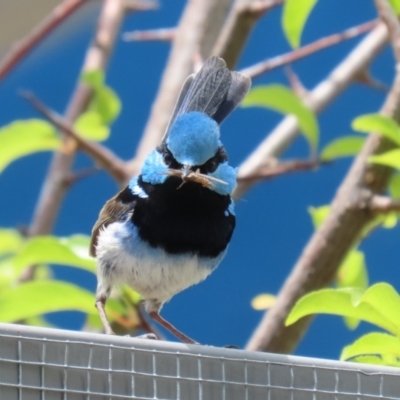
193 149
193 138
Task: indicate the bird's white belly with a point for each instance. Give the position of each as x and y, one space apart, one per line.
124 258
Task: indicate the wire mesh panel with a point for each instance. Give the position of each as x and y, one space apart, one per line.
47 364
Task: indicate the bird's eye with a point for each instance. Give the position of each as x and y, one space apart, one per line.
211 166
168 158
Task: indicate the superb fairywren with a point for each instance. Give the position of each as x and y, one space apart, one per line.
170 227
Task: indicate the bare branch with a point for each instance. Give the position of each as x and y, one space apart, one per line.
391 21
342 76
53 190
21 48
238 26
282 168
79 175
141 5
193 33
320 44
162 34
367 79
383 204
295 83
102 156
317 266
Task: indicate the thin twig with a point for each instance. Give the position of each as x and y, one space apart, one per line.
383 204
80 174
320 44
295 83
161 34
141 5
102 156
392 23
365 78
21 48
282 168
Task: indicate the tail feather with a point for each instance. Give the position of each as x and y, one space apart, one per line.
238 89
215 91
209 93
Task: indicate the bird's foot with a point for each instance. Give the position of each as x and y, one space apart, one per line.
149 336
231 346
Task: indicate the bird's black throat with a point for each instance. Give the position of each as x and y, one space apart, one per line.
191 219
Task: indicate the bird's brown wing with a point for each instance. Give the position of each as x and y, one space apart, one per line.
114 210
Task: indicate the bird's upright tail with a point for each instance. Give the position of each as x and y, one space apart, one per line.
214 90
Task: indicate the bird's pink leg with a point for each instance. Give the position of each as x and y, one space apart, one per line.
100 305
157 317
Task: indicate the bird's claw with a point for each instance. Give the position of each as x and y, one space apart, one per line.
150 336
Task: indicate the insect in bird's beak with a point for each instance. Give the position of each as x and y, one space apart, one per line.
187 174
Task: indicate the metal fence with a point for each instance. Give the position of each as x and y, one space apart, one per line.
49 364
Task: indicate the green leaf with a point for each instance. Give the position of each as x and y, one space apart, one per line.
396 5
353 273
79 244
370 359
283 100
8 274
318 215
40 297
385 300
105 101
390 220
107 104
10 241
52 250
94 79
390 159
394 186
21 138
387 346
346 146
90 126
38 321
343 302
377 123
294 18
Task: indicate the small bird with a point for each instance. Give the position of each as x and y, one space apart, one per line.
171 226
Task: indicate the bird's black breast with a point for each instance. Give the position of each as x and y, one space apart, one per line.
189 219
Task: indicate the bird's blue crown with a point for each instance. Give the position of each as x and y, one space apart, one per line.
193 138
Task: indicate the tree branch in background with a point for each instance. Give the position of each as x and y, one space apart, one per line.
100 154
141 5
383 204
282 168
161 34
287 131
238 26
20 49
198 25
322 256
320 44
53 190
